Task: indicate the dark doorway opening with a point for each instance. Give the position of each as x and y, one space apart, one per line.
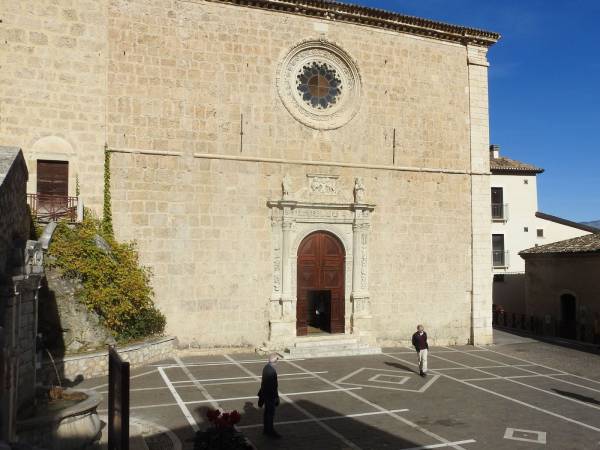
568 316
319 311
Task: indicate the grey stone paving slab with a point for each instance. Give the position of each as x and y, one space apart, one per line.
449 408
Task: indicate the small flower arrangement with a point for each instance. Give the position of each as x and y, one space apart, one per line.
223 420
222 434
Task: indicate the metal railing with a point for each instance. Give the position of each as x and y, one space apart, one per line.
499 211
500 258
545 325
51 208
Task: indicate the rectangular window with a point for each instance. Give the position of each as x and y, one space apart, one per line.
525 181
498 253
540 232
525 229
498 212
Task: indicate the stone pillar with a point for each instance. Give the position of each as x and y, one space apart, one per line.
286 279
481 248
282 323
361 309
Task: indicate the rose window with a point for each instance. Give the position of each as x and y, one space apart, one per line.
319 85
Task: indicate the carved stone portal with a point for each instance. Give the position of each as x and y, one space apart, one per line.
321 205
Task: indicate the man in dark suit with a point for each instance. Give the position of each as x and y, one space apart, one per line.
269 396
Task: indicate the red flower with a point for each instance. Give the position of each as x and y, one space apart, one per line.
223 420
234 417
213 415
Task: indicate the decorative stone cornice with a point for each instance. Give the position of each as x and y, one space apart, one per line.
342 12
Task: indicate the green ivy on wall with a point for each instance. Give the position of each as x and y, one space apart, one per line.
107 225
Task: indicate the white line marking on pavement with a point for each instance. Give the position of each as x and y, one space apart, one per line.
184 409
240 378
555 394
216 363
562 372
506 397
449 444
510 434
302 410
289 394
322 391
322 419
380 408
535 374
196 383
480 367
131 378
307 377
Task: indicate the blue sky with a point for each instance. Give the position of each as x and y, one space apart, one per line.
544 89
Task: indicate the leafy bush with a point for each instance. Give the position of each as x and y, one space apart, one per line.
115 286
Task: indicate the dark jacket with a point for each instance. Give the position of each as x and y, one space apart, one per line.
269 389
420 342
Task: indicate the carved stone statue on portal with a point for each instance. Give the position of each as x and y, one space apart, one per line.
286 187
359 191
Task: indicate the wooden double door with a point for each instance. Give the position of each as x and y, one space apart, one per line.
321 263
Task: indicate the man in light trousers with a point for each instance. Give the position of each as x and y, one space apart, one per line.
419 342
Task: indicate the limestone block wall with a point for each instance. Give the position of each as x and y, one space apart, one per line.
185 95
204 227
14 219
481 228
548 277
90 365
53 86
17 294
187 77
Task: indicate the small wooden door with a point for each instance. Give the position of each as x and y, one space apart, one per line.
53 178
321 261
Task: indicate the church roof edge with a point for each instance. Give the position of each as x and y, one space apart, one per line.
363 15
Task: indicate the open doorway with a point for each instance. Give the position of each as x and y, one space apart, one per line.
319 311
568 316
320 288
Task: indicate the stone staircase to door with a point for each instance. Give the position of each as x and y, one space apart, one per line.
323 346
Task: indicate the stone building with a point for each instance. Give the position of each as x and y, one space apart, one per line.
20 275
286 167
563 288
517 224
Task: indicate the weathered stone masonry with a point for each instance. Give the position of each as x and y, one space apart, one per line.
186 95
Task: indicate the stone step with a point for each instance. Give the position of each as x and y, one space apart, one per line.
356 351
328 348
346 341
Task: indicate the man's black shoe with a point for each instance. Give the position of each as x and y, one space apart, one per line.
422 374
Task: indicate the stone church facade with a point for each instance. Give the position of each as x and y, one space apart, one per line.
265 153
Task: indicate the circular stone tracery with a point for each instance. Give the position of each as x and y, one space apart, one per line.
319 85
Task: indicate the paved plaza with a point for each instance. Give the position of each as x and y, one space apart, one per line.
519 395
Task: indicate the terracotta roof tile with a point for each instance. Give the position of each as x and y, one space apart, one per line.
589 243
507 165
347 12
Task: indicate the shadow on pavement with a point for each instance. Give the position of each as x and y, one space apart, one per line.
581 398
310 435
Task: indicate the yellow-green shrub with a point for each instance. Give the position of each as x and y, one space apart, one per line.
115 286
